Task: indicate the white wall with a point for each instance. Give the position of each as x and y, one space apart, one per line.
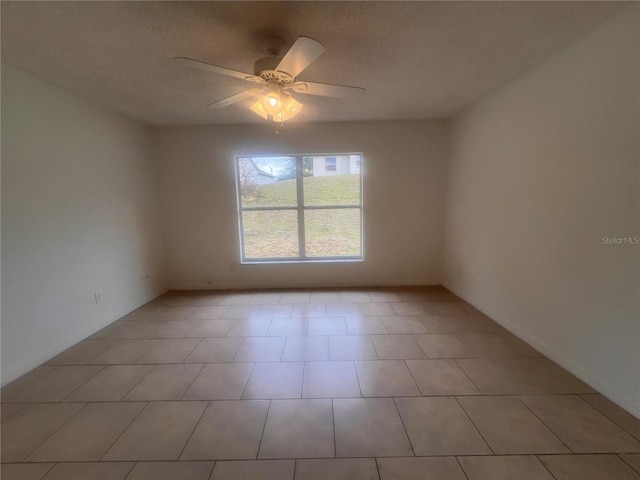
404 191
540 171
79 216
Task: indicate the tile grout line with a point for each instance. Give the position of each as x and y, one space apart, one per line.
461 467
124 430
264 427
193 430
547 426
404 427
545 467
474 425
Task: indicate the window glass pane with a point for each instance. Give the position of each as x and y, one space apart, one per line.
331 180
267 181
332 233
270 234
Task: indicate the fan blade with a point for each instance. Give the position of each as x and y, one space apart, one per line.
301 54
238 97
327 90
208 67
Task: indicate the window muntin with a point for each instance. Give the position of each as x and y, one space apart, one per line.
291 209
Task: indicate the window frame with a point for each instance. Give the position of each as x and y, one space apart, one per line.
300 208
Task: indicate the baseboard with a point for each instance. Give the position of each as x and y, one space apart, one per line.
46 355
333 284
596 382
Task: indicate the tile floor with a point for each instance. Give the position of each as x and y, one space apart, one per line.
406 383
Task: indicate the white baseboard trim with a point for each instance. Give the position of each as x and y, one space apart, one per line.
46 355
334 284
600 384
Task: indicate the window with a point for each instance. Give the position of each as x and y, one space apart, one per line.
295 208
330 164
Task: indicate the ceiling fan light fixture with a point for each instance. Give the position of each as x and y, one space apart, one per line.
277 106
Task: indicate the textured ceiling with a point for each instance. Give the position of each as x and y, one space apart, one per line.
416 59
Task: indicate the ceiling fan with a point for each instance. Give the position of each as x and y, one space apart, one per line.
276 79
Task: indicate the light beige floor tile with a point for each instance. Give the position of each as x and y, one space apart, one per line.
260 349
265 299
504 376
384 296
7 410
620 417
220 381
351 347
327 326
211 328
241 311
484 345
31 426
406 324
88 435
306 348
343 310
447 324
160 432
19 383
165 382
409 308
228 430
176 313
236 299
90 471
375 309
54 385
249 327
208 312
111 384
580 426
526 467
206 299
170 350
173 329
425 468
396 347
254 470
324 297
523 347
588 467
365 325
369 427
632 459
442 308
295 297
386 378
330 380
509 426
211 350
307 310
298 429
275 380
354 297
270 311
439 426
25 471
82 353
441 377
282 327
138 329
125 351
171 471
443 345
337 469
